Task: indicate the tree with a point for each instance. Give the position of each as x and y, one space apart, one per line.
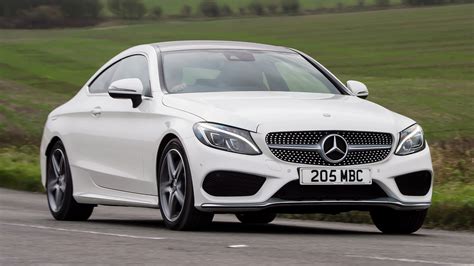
11 8
127 9
427 2
134 9
186 11
92 8
290 6
43 16
156 12
382 3
115 6
256 7
50 13
209 8
226 10
80 9
272 8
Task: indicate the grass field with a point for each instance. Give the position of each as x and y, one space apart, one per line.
418 62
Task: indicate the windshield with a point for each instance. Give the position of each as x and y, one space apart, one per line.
242 70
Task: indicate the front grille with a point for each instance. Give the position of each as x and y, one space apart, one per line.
294 191
313 157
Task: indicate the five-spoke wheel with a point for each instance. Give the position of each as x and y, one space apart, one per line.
57 183
173 185
59 188
176 190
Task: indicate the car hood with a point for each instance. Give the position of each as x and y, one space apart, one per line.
288 111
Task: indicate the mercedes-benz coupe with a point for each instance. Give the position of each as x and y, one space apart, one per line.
196 128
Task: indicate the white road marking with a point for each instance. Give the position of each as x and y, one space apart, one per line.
83 231
237 246
409 260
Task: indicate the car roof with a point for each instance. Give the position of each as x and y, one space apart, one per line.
205 45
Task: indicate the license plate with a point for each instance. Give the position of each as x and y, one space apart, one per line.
335 176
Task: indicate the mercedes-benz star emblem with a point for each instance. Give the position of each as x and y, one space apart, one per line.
334 148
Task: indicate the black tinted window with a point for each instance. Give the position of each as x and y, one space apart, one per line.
102 82
134 67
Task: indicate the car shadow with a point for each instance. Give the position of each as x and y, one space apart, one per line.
236 227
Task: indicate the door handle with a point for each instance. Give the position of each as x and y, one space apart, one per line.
96 111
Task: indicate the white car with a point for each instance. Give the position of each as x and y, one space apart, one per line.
203 127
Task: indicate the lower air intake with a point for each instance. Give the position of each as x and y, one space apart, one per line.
232 184
294 191
414 184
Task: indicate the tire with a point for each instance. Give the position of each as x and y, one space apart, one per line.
175 191
390 221
59 188
256 217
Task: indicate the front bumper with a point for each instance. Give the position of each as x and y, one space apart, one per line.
204 160
304 206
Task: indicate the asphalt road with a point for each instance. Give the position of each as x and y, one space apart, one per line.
119 235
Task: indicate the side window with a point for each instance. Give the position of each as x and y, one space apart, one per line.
134 67
102 82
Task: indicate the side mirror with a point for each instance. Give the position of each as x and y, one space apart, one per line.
358 88
127 89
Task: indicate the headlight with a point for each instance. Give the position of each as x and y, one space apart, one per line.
411 140
226 138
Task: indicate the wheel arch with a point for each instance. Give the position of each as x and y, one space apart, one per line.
51 144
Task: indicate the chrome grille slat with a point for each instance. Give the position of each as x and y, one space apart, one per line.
318 147
304 147
295 147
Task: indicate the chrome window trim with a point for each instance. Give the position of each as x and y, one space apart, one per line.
107 66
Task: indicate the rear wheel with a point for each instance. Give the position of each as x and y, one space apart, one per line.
175 188
59 188
256 218
391 221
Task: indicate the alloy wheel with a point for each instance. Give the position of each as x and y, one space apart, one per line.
56 187
172 185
